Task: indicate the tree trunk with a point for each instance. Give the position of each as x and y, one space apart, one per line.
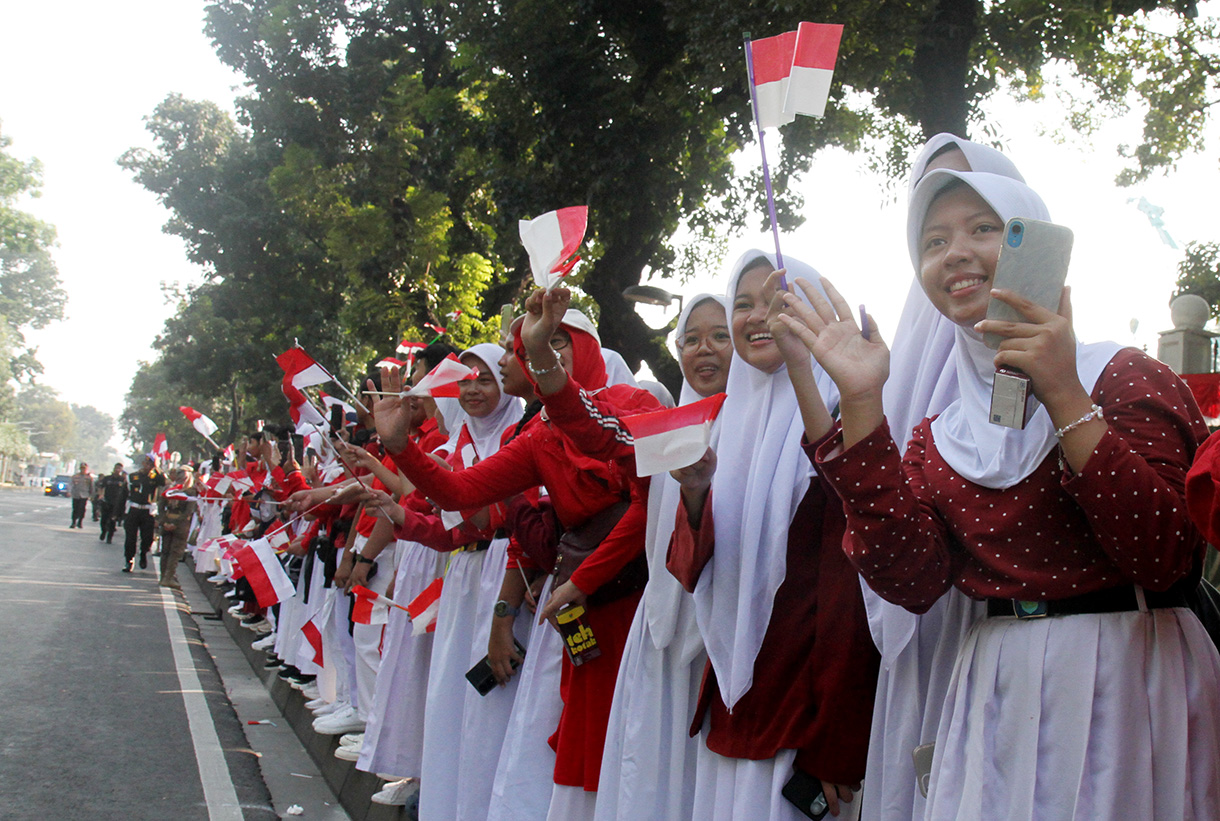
942 66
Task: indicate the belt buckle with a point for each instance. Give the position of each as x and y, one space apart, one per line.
1029 609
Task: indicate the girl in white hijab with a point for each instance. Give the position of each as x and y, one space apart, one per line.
918 651
779 608
1108 706
648 763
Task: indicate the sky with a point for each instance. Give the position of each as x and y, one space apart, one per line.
77 78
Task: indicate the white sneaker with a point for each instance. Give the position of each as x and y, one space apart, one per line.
338 723
316 704
330 708
348 753
265 643
396 793
351 740
311 691
231 594
236 609
218 579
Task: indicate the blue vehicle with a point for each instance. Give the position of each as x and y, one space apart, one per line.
61 485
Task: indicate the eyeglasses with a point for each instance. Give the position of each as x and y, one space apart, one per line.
717 341
558 343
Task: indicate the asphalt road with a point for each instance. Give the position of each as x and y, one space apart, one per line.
94 719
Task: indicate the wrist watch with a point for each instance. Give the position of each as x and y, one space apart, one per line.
503 609
360 559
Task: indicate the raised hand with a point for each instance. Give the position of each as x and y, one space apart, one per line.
391 412
795 354
544 311
859 365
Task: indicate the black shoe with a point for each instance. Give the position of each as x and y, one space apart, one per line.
143 561
273 663
108 538
288 672
127 567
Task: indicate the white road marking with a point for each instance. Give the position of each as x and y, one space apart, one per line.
218 789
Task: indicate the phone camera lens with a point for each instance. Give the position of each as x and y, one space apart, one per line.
1016 228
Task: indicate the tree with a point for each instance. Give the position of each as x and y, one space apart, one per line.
31 295
385 148
1199 273
92 431
48 419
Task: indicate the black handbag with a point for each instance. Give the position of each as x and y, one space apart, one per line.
578 543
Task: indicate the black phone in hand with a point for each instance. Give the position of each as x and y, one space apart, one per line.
804 792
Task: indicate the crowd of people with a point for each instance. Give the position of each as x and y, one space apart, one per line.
865 600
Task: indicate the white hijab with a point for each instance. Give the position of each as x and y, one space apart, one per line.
761 477
485 432
991 455
664 598
922 381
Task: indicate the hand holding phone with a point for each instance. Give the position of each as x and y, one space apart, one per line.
1033 262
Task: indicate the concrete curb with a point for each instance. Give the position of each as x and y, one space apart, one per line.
354 788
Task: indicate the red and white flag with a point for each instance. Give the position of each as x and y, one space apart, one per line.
370 607
328 402
304 415
198 421
674 438
424 608
312 630
442 380
279 537
551 241
240 481
409 349
300 369
792 72
230 453
160 447
267 577
391 362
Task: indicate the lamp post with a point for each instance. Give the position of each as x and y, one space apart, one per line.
651 295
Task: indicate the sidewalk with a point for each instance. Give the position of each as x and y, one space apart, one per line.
267 696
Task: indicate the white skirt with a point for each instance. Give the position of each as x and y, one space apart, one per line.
906 714
525 773
1113 715
739 789
449 789
572 804
648 764
394 738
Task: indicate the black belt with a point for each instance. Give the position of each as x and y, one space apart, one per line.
475 547
1112 600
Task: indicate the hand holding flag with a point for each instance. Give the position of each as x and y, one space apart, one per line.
442 380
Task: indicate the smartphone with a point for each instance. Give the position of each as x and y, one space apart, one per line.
804 792
1034 257
483 679
298 448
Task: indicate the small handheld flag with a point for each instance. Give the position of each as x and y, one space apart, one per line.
424 608
673 438
551 240
201 423
442 380
789 74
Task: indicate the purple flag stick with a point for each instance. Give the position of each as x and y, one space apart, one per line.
762 145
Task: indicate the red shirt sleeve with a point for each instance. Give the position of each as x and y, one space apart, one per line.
591 420
507 471
690 549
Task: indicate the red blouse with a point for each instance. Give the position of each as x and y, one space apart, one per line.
816 670
916 527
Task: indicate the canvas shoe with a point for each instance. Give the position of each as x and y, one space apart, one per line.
316 703
348 753
351 739
330 708
397 793
265 643
338 723
311 691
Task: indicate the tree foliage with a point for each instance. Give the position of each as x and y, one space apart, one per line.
30 292
47 418
1199 273
384 150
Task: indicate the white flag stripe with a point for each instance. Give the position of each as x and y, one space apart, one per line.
807 92
671 450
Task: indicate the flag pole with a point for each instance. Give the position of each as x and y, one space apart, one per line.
762 147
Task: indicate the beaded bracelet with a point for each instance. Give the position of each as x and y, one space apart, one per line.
558 364
1088 417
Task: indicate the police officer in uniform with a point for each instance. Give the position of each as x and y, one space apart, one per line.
175 509
112 492
142 489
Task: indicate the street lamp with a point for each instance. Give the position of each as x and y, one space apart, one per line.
651 295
